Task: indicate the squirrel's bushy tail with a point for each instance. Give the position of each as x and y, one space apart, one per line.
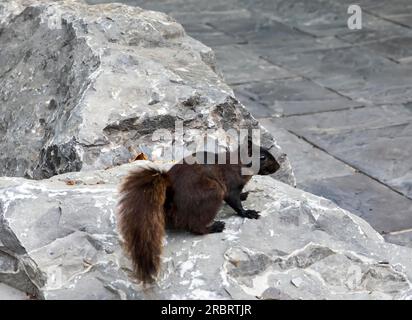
142 219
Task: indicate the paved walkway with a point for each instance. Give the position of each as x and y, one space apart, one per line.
338 101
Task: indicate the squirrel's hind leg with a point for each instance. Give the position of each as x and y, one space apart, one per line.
200 217
216 227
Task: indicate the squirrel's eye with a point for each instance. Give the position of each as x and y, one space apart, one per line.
262 157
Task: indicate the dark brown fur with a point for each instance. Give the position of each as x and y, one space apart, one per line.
187 197
142 220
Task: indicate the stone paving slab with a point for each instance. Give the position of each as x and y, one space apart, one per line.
295 46
399 49
386 211
353 72
402 238
398 11
386 8
352 119
317 17
257 29
251 102
383 153
208 16
327 18
403 19
373 29
373 140
196 20
308 162
293 96
304 9
240 65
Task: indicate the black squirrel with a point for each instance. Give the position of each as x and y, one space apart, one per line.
187 197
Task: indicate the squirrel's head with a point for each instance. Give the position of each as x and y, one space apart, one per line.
267 162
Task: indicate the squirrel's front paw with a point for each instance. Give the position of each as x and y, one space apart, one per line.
251 214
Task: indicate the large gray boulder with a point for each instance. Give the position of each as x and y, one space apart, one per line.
59 240
84 87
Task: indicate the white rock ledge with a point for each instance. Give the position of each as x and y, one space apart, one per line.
61 242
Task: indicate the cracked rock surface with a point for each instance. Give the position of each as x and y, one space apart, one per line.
60 239
84 87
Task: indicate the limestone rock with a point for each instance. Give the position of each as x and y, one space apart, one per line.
61 242
9 293
84 87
